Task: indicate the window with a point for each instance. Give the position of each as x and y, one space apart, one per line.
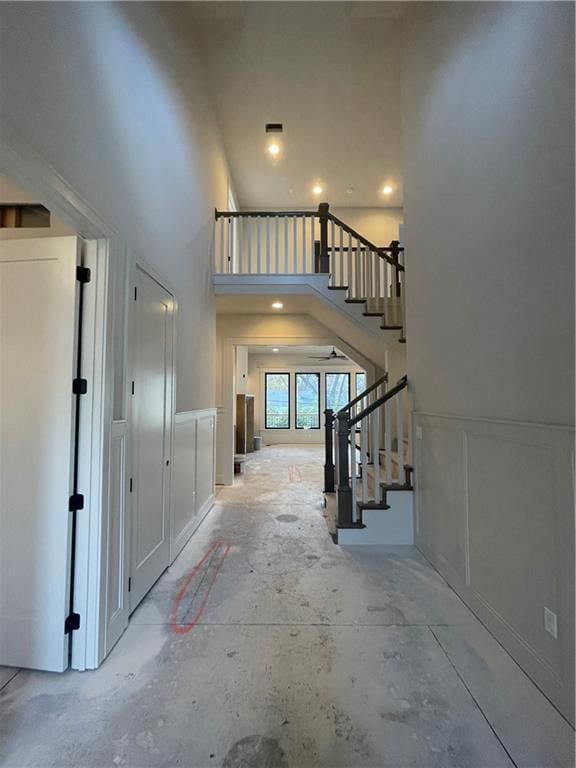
277 401
337 390
360 383
307 401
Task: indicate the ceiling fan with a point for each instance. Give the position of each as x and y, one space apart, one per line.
331 356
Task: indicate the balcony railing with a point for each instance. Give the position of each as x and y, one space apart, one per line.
311 242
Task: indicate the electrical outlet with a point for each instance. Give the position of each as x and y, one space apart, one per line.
551 622
419 433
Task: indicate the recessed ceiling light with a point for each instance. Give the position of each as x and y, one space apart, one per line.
274 149
317 189
350 191
277 305
275 349
387 190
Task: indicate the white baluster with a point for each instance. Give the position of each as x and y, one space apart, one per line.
364 457
341 258
350 264
286 267
249 227
220 228
376 453
332 262
276 244
295 245
387 443
304 270
400 434
258 246
267 245
353 468
312 232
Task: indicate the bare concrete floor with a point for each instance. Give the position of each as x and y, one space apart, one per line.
267 646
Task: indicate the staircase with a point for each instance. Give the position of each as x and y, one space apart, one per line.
368 467
368 464
254 245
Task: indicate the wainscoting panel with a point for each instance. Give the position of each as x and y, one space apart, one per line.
495 514
193 473
116 586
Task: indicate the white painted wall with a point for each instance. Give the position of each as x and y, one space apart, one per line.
488 115
113 97
379 225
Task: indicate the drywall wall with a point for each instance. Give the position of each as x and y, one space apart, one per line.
379 225
488 116
259 364
113 97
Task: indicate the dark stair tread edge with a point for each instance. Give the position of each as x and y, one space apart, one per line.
372 505
350 526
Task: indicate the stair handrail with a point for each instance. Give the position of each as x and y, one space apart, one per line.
263 214
398 387
383 251
383 379
330 443
349 513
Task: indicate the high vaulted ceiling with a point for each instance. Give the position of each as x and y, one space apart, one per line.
330 72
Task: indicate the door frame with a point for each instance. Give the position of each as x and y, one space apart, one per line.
139 264
103 252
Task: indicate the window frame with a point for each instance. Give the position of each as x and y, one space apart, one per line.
360 373
336 373
318 376
276 373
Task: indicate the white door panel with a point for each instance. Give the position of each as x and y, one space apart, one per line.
37 353
151 433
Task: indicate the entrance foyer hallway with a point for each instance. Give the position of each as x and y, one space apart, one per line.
267 646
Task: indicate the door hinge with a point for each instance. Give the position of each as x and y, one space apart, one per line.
135 292
76 502
83 274
79 386
132 387
131 485
129 583
72 622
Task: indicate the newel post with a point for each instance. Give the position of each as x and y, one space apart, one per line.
324 258
344 489
329 451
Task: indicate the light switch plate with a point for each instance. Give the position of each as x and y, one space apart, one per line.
419 433
551 622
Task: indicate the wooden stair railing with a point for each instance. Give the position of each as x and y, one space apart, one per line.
370 394
314 242
381 424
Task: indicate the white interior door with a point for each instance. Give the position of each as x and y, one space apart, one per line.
37 354
152 414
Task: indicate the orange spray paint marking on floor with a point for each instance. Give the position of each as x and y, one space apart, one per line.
196 588
294 475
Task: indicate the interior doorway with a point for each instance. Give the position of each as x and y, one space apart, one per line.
151 396
39 321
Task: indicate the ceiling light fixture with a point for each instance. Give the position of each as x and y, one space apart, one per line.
277 305
274 149
317 189
275 349
387 190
